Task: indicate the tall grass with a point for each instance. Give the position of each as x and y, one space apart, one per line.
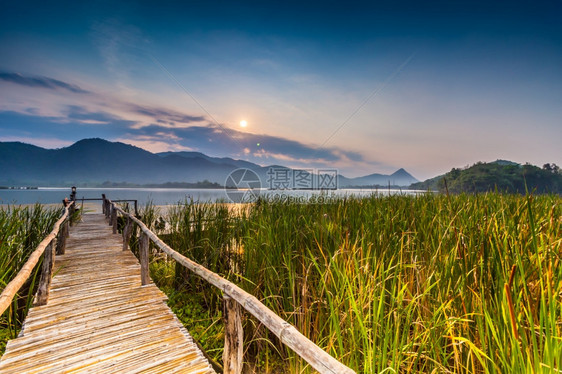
433 283
21 230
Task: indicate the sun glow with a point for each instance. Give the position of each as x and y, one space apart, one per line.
243 123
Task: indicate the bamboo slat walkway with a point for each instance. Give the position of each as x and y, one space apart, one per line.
99 319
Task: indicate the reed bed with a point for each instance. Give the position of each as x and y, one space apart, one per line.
21 229
397 284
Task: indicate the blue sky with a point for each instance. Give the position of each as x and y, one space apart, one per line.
360 86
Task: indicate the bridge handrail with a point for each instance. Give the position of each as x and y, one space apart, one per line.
15 284
319 359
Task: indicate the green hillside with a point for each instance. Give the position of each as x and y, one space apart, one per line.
501 175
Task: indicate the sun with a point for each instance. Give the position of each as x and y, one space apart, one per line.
243 123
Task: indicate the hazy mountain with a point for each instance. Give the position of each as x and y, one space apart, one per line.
399 178
95 161
217 160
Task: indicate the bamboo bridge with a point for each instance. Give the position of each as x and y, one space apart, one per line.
97 311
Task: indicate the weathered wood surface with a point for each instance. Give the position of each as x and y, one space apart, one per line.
46 273
99 319
127 232
144 243
61 238
232 356
287 333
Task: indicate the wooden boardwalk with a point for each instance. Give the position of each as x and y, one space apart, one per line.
99 319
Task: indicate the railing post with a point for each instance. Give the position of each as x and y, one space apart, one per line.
233 336
110 213
46 272
61 238
113 221
103 206
144 244
71 212
127 231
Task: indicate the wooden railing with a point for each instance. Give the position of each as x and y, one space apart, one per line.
54 242
234 299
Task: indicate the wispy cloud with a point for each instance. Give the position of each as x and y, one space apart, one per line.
122 49
259 147
80 114
153 144
165 116
58 100
40 82
85 125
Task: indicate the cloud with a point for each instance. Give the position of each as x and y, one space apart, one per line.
165 116
80 114
261 148
59 100
122 48
78 122
84 125
153 145
153 127
40 82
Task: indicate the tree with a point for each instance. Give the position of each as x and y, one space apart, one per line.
553 168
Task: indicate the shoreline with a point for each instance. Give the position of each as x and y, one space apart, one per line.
96 208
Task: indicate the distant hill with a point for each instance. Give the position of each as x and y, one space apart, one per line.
98 162
501 175
399 178
216 160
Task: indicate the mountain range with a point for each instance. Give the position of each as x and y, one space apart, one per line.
95 161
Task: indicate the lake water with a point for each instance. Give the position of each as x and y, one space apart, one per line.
168 196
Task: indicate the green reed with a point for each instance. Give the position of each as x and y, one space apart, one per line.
430 283
21 230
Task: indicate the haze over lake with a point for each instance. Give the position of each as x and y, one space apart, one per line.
165 196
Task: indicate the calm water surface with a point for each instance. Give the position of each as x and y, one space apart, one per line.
164 196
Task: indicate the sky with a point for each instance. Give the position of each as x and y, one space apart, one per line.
364 87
